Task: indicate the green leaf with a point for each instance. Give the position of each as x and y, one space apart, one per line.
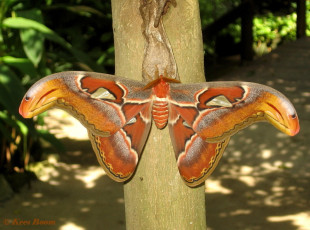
23 64
84 9
40 118
22 127
79 9
11 94
32 44
24 23
9 120
11 90
33 40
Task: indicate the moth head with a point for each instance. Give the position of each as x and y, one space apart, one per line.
40 97
281 113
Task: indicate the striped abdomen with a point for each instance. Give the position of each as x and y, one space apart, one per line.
160 112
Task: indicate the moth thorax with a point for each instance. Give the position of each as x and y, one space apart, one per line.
160 112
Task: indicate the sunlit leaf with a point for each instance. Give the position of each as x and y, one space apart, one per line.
22 127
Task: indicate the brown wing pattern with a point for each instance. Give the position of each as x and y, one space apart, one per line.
119 154
196 159
115 111
204 116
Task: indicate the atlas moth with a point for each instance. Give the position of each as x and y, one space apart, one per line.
118 114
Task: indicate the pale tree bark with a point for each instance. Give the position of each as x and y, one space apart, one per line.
156 197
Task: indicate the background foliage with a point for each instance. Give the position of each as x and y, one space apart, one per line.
41 37
38 38
274 23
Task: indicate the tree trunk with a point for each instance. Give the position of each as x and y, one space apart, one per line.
156 197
